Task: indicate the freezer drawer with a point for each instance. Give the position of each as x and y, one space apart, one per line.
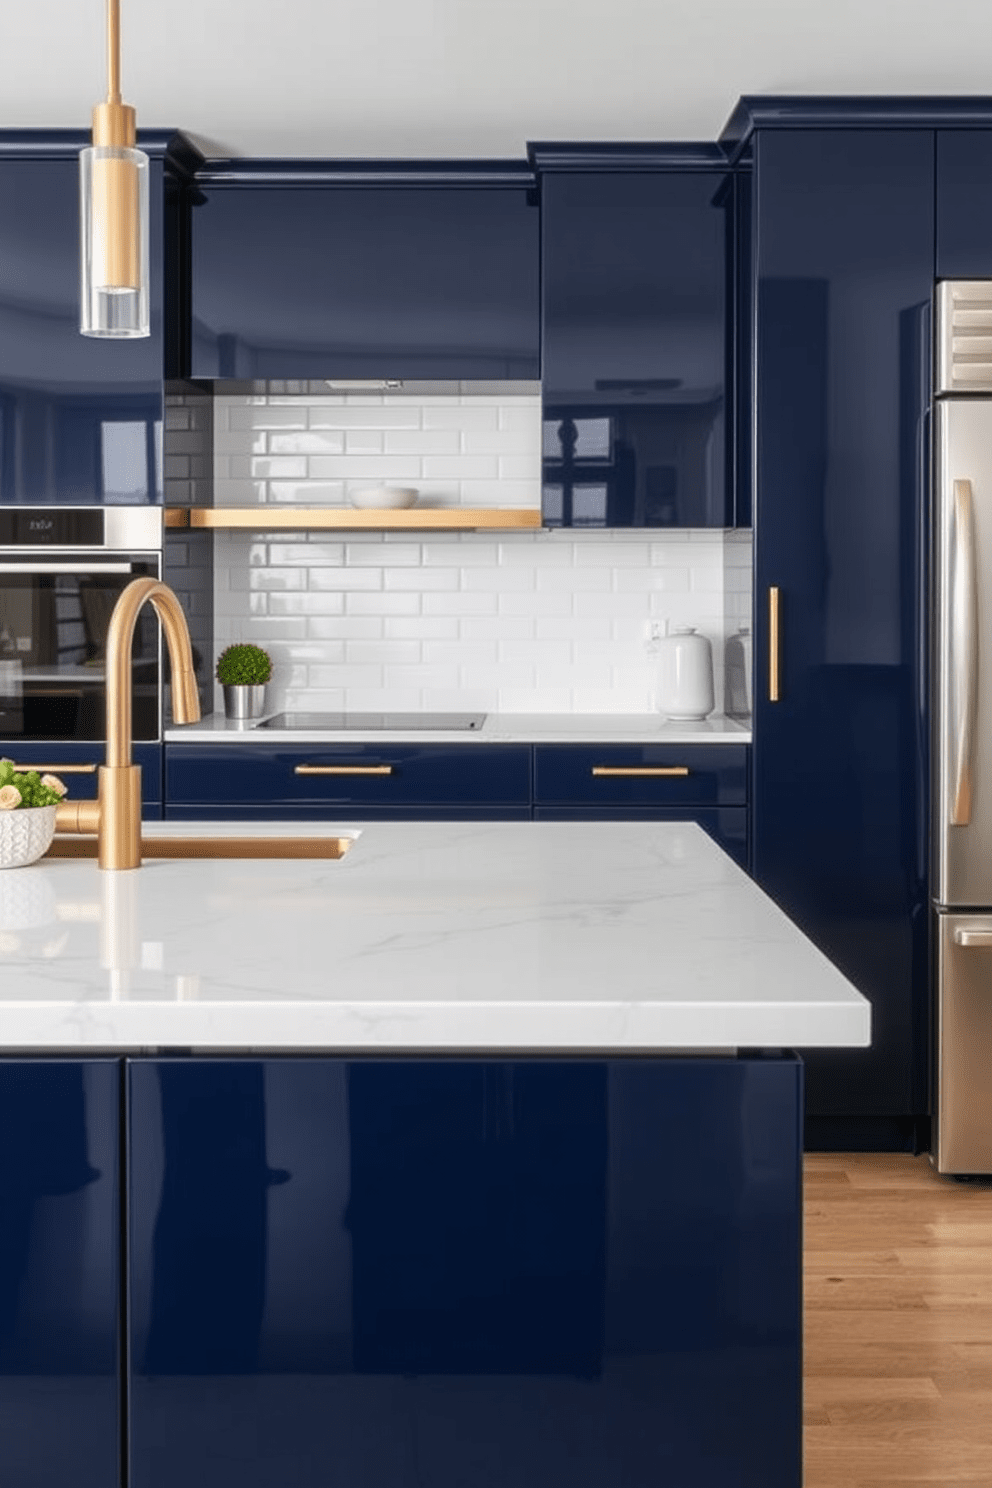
963 1094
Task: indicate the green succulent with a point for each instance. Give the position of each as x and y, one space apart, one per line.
243 666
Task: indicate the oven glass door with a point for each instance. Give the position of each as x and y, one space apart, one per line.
54 613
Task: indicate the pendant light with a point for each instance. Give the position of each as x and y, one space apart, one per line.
113 215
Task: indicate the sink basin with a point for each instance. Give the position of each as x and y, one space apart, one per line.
207 845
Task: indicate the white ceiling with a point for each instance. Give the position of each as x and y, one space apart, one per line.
472 77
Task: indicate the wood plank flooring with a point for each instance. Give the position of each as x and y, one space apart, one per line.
898 1323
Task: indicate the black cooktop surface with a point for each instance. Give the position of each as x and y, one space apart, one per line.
334 721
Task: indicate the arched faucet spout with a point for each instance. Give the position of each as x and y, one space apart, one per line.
117 815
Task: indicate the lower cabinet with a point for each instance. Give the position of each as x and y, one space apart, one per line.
77 765
464 1273
60 1321
347 781
705 784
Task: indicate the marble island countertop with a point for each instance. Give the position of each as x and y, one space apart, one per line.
498 728
451 936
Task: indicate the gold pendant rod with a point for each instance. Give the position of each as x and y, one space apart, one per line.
113 51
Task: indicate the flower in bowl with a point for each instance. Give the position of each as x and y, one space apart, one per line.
28 803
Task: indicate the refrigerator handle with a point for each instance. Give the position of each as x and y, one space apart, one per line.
964 653
980 938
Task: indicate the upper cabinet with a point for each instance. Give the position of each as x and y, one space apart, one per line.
80 418
411 273
637 269
964 204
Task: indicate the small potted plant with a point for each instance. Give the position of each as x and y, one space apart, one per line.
28 803
243 671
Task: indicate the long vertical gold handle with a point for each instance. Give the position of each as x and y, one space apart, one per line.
774 679
963 638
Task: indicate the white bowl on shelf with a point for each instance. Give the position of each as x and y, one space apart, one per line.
385 498
25 834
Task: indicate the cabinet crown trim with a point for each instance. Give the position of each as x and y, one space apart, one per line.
833 111
65 144
424 173
613 156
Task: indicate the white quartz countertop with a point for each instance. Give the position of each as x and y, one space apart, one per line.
499 728
613 936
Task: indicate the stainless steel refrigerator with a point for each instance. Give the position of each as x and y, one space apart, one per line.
962 736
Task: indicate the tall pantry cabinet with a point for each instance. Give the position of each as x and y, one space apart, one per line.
843 249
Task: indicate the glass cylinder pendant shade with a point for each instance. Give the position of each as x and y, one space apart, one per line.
113 215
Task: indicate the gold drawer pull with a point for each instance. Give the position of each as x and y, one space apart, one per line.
774 654
640 770
342 769
57 769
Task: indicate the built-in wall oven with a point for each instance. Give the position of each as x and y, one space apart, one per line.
62 570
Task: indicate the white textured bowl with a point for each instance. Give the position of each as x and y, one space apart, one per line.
386 498
25 834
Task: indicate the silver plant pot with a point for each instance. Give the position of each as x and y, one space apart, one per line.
244 702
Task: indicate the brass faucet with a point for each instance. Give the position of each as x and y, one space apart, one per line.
115 816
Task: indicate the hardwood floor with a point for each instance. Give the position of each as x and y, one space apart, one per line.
898 1318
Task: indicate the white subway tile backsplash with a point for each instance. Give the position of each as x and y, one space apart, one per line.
461 467
482 415
310 442
524 622
364 441
381 603
461 603
369 469
405 415
423 442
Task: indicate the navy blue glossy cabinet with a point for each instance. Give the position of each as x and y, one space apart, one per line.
77 765
491 1272
636 351
60 1423
844 264
964 211
80 418
705 784
364 281
425 781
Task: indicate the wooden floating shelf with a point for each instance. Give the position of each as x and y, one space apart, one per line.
434 518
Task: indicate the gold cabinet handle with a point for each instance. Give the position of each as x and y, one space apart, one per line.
342 769
774 678
640 770
60 769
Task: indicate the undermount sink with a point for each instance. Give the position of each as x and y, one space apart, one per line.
214 845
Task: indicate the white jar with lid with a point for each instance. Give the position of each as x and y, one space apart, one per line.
685 674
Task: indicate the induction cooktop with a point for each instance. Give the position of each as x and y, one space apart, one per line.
335 721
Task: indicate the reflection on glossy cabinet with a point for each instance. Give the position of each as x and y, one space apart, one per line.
844 263
432 1273
80 418
59 1270
365 280
636 347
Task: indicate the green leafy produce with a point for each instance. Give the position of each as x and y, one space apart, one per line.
21 788
243 666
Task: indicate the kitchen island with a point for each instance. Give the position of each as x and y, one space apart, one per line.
468 1160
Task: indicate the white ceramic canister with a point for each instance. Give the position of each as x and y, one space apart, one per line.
685 674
